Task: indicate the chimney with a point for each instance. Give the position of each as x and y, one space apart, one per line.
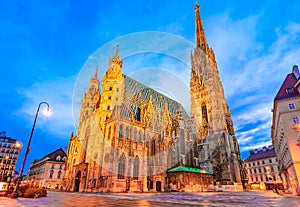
296 71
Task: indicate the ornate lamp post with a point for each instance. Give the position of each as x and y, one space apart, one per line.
47 112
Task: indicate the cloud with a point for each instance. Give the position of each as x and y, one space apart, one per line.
252 71
58 94
256 146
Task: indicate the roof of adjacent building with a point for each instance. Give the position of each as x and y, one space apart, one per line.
264 153
52 156
188 169
287 89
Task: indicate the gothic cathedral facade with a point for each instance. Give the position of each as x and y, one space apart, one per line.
130 135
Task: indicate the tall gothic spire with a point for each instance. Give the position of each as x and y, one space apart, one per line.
96 73
116 58
200 35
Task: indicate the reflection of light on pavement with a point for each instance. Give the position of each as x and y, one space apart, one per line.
143 203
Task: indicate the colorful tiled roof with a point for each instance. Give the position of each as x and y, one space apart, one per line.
266 152
137 94
287 89
188 169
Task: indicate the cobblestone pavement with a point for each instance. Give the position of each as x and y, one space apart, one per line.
253 198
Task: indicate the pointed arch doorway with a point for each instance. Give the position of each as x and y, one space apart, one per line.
77 181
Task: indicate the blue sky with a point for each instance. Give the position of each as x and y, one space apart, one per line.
45 45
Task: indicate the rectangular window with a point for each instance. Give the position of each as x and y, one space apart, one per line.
295 120
292 106
270 161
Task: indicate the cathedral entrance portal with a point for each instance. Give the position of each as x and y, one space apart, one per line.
158 186
77 181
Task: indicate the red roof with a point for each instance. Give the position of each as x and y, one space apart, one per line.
287 89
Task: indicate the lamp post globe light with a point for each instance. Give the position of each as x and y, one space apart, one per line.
18 181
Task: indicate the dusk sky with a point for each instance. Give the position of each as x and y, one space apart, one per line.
46 44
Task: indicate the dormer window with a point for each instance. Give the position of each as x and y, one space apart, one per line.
289 90
58 158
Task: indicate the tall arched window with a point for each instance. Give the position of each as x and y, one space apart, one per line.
127 133
86 141
121 132
121 167
140 137
153 147
136 166
134 135
204 112
109 132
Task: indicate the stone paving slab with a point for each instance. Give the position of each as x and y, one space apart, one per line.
253 198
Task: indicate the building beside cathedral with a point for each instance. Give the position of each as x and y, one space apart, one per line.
285 131
133 138
48 171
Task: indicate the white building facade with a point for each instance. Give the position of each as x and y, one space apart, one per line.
286 131
262 168
48 171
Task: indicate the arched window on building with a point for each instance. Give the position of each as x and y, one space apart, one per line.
51 174
153 147
127 133
134 135
58 158
204 112
121 132
136 166
58 174
109 132
140 136
121 167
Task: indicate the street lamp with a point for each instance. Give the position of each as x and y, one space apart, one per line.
46 112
